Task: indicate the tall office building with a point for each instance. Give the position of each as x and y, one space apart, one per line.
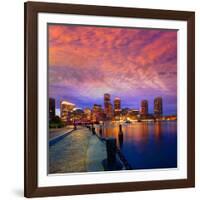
65 109
106 101
76 115
108 110
97 113
88 114
158 106
144 108
52 108
117 106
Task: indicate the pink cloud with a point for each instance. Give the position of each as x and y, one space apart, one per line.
94 60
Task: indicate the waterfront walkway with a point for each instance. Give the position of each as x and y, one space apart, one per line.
56 132
79 151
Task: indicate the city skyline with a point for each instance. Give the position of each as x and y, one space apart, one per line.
133 64
157 107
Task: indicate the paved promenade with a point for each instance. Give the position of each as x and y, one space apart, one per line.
79 151
59 131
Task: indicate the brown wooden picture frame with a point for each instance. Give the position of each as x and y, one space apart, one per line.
32 9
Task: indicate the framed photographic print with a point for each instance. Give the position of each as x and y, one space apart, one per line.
109 99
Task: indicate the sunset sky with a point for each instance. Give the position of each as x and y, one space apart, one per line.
134 64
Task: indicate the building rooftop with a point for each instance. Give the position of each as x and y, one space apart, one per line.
67 103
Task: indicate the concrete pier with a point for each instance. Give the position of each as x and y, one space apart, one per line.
80 151
83 150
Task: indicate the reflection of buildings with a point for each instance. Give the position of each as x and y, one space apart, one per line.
117 107
158 107
158 130
97 113
65 109
144 108
144 132
108 109
52 108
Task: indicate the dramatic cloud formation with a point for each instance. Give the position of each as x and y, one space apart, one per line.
134 64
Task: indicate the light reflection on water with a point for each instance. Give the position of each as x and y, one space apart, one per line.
146 145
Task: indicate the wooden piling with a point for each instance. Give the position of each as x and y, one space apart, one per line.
111 149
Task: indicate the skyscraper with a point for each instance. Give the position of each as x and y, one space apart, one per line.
97 113
117 106
144 108
88 114
52 108
108 110
106 101
65 109
158 106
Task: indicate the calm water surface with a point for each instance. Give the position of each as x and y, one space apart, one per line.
147 145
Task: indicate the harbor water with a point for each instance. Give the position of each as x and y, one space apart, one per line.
146 145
